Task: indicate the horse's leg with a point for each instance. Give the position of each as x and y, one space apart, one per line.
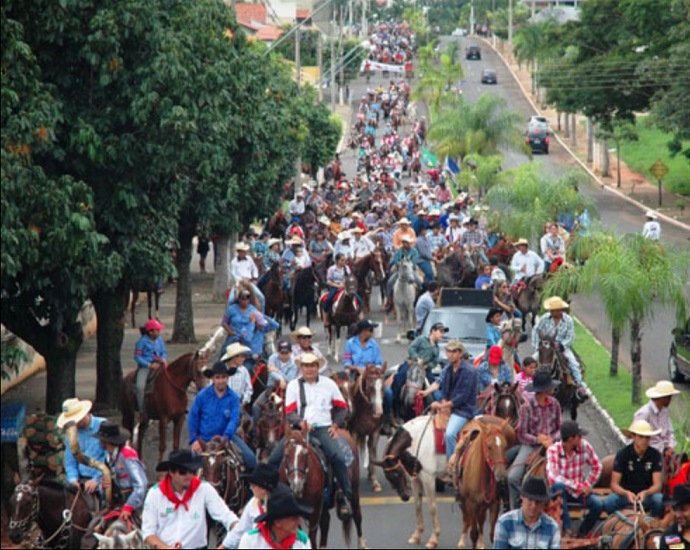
177 431
336 343
418 495
149 301
493 517
462 543
373 444
162 443
324 526
430 490
140 428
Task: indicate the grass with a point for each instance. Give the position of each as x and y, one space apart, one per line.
640 155
613 393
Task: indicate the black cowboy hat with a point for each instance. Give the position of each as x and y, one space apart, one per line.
366 324
535 488
110 432
264 475
181 458
283 504
679 497
542 382
218 368
492 311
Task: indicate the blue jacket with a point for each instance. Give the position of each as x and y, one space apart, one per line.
257 342
147 350
212 415
91 447
493 335
505 374
240 323
360 356
460 388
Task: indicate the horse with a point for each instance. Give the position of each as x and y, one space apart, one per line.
411 404
302 296
269 428
222 468
528 299
360 270
303 471
411 454
404 294
380 270
168 400
119 534
153 293
366 415
344 312
450 272
479 468
549 356
504 402
61 512
629 529
277 224
273 291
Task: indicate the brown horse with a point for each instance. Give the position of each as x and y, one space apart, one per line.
304 472
478 474
366 415
550 357
344 312
222 468
504 402
273 291
153 293
360 270
269 428
631 529
277 224
168 400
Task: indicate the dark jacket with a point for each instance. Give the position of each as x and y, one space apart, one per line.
460 388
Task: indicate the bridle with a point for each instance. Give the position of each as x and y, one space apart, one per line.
23 524
304 472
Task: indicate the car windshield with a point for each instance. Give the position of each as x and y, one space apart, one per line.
489 72
465 324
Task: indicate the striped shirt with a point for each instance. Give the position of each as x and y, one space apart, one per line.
512 532
538 419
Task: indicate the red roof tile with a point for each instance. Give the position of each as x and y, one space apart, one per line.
269 33
248 12
303 14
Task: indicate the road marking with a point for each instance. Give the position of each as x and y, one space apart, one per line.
387 501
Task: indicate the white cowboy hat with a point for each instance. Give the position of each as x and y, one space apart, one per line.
357 229
242 247
403 221
522 241
406 239
302 331
435 212
295 240
233 350
555 303
325 220
453 217
640 427
663 388
343 235
73 410
651 214
310 358
271 242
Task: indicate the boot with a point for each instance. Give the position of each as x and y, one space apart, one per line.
344 508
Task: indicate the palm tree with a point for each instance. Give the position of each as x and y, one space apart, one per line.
438 78
480 173
530 46
633 276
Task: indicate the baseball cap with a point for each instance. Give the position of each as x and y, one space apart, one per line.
569 428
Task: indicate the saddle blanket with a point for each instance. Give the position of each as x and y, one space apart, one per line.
336 299
440 441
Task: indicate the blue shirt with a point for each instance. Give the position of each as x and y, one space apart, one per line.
505 375
401 253
481 281
493 335
241 323
91 447
356 355
288 370
513 532
212 415
460 388
424 305
257 343
147 350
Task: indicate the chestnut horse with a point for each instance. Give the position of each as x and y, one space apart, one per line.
273 291
167 402
360 270
366 415
344 312
222 468
303 471
277 225
269 428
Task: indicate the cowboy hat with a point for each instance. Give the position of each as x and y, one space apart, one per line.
325 220
357 229
542 381
283 504
73 410
153 324
453 217
242 247
663 388
110 432
344 235
640 427
233 350
295 240
555 303
651 214
406 239
219 367
308 359
680 496
521 242
435 212
535 488
492 311
273 241
403 221
455 345
263 475
181 458
301 331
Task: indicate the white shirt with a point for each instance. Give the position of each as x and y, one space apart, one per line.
344 249
652 230
241 384
531 261
296 208
188 527
246 523
362 247
302 261
244 269
319 396
453 234
253 539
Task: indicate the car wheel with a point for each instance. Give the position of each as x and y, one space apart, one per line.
546 151
673 370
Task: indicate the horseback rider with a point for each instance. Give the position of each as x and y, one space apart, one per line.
362 350
404 230
335 281
303 343
475 239
129 475
149 352
216 409
525 263
271 257
678 534
362 245
289 254
315 403
240 320
559 325
656 413
552 246
344 246
494 370
425 251
243 269
296 206
406 251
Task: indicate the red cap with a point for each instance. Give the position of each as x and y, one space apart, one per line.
153 324
495 354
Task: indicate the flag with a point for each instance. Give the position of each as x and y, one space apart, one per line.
451 167
429 159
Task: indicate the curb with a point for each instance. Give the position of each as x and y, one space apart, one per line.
584 166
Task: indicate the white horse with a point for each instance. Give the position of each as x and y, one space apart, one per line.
410 455
404 294
118 535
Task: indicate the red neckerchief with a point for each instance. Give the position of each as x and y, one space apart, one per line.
286 544
167 490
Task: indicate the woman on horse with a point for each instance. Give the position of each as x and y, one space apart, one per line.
335 281
240 320
149 352
271 257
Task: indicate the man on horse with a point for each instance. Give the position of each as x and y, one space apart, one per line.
559 325
243 269
314 402
475 239
335 281
303 343
425 251
344 246
271 257
552 246
566 462
656 413
78 411
296 206
540 425
149 353
240 320
408 252
281 370
175 508
362 245
525 262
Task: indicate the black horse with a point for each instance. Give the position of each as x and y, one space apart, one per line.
550 357
303 295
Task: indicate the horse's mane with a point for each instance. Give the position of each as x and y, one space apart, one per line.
399 443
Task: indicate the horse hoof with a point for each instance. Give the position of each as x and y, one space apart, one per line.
414 539
362 544
431 544
376 487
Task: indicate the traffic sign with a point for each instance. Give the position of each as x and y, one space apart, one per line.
659 169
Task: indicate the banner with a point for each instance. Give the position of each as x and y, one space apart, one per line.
376 66
429 159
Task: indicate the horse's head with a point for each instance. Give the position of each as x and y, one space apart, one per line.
546 351
23 508
214 453
398 463
406 271
270 426
351 285
296 461
371 387
494 447
506 403
536 283
198 364
120 540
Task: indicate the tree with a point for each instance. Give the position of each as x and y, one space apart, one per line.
480 173
621 131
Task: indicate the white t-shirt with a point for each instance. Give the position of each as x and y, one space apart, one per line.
253 539
251 511
243 269
320 397
652 230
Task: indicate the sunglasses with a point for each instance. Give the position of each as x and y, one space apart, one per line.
181 471
243 298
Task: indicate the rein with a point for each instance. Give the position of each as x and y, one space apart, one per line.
64 531
189 371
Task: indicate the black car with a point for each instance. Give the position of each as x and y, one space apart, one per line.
473 52
489 77
679 356
538 139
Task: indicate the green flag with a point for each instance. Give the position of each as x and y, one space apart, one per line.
429 159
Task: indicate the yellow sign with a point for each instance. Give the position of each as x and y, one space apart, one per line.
659 169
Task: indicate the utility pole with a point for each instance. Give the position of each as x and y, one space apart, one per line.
298 70
510 22
319 62
341 40
333 45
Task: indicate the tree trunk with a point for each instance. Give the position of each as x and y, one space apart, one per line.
636 360
111 312
558 121
183 331
220 278
618 164
573 130
605 170
566 126
590 141
615 350
61 367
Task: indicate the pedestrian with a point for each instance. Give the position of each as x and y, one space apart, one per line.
426 303
652 228
677 536
149 353
656 413
176 507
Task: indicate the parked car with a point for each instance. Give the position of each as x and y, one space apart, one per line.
459 32
473 52
538 139
679 356
489 76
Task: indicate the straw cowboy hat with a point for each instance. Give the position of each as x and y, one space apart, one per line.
295 241
651 214
271 242
302 331
640 427
242 247
406 239
309 358
555 303
357 229
73 410
233 350
663 388
521 242
403 221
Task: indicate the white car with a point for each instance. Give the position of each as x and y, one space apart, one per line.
459 32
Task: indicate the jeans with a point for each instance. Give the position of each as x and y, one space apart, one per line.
262 299
455 424
248 455
425 266
515 473
592 502
652 504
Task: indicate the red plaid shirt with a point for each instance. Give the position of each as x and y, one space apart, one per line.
536 419
569 470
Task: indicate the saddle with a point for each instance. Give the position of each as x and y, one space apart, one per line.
517 288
